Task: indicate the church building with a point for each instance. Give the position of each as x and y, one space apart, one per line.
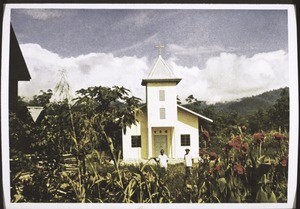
162 123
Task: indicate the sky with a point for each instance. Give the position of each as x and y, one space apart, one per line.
221 55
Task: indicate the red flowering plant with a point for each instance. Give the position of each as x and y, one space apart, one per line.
283 162
239 169
214 166
279 137
236 143
205 135
258 138
245 148
212 156
238 146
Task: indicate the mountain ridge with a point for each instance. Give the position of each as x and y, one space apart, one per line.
243 106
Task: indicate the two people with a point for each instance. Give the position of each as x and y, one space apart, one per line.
162 161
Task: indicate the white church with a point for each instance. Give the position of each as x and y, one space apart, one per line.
162 123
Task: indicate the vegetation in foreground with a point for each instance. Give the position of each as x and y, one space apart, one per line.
250 169
72 154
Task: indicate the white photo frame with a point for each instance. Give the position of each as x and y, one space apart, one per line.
293 88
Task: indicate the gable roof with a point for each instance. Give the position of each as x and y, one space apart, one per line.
161 70
161 73
17 66
194 113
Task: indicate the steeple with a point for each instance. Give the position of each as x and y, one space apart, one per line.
161 73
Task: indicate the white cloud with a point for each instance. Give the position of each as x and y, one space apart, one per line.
93 69
228 76
225 77
41 14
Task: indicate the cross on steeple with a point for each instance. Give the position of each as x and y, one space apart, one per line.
159 46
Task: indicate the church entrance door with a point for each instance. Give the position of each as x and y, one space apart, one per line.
160 142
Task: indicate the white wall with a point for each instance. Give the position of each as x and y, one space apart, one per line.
128 151
133 153
154 105
187 124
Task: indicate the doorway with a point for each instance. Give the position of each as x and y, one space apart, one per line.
160 142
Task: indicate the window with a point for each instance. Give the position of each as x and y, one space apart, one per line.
185 140
161 95
162 113
136 141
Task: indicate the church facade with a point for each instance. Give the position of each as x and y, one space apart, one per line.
162 123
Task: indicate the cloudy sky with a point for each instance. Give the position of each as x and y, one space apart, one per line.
221 55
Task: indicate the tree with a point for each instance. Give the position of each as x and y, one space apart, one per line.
191 99
41 100
279 113
257 121
96 116
23 132
178 100
99 115
55 130
20 135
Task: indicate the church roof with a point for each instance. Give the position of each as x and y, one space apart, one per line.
194 113
161 70
161 73
17 66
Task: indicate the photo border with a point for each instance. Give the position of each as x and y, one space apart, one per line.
294 120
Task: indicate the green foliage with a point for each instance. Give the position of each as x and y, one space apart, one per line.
113 107
41 100
265 112
55 130
279 113
101 112
235 176
242 170
191 99
20 135
249 105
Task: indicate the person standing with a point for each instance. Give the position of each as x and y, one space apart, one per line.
188 161
162 161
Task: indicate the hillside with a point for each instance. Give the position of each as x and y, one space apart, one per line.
243 106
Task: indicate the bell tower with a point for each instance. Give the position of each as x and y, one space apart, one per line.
161 98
